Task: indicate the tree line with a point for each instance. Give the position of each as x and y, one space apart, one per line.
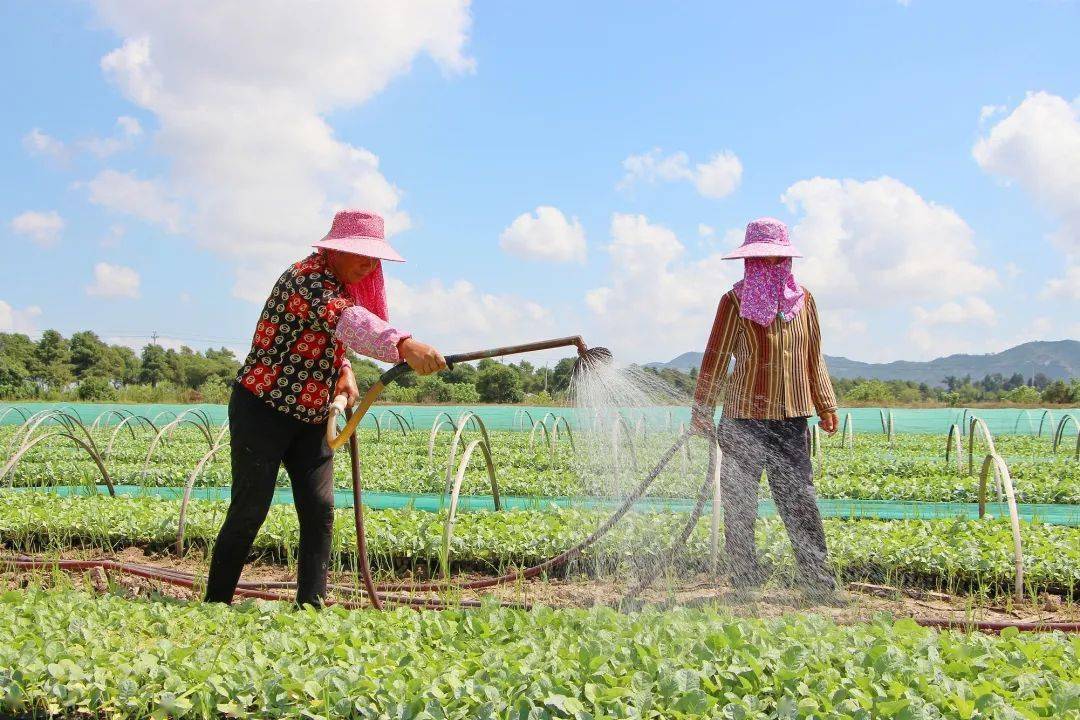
959 392
85 368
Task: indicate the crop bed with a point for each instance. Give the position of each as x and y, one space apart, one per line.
71 652
912 467
942 554
67 652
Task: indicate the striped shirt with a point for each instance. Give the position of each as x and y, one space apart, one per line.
779 371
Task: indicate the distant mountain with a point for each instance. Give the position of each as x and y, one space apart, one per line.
684 362
1058 360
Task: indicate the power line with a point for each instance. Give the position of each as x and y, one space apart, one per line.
178 336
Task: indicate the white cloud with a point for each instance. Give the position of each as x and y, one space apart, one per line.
653 166
1042 328
597 299
459 317
185 297
840 323
144 199
1066 287
114 281
128 130
955 333
114 236
972 309
38 142
545 235
241 98
988 111
733 238
717 178
1038 146
129 126
1012 270
932 342
20 321
720 176
871 244
43 228
654 295
705 231
872 249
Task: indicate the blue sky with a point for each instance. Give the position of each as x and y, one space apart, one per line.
161 168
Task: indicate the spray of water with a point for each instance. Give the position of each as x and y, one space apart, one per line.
623 415
626 418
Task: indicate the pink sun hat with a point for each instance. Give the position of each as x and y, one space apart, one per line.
361 233
765 237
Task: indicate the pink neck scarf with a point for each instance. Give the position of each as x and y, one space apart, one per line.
369 292
767 289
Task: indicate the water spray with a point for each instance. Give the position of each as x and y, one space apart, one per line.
588 358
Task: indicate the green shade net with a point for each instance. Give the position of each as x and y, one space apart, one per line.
1000 421
851 509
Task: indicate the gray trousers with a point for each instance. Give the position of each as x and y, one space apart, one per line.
780 448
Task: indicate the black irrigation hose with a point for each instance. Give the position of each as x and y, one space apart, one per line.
256 590
684 534
565 556
358 517
249 589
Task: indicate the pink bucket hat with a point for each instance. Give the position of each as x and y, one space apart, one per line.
361 233
765 237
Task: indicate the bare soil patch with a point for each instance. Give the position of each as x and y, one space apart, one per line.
858 602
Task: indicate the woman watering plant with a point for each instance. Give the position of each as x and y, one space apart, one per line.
332 299
770 324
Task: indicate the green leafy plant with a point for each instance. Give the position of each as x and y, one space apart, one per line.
945 554
67 652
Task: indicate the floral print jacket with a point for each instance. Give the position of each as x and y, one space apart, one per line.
300 339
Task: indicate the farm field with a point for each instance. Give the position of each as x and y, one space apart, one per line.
413 462
970 556
67 650
683 648
463 360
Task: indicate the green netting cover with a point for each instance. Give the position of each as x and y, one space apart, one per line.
853 509
1000 421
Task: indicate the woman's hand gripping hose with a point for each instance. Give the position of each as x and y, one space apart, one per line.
421 357
346 385
701 422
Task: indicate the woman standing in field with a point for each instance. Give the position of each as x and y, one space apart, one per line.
332 299
770 324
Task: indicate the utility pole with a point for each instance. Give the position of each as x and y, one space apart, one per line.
154 337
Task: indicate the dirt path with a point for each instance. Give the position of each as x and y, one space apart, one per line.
858 602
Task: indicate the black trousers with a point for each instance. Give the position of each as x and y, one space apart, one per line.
780 448
263 438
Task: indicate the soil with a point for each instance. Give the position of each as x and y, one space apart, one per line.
858 602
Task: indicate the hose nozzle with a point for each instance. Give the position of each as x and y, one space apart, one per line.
592 358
